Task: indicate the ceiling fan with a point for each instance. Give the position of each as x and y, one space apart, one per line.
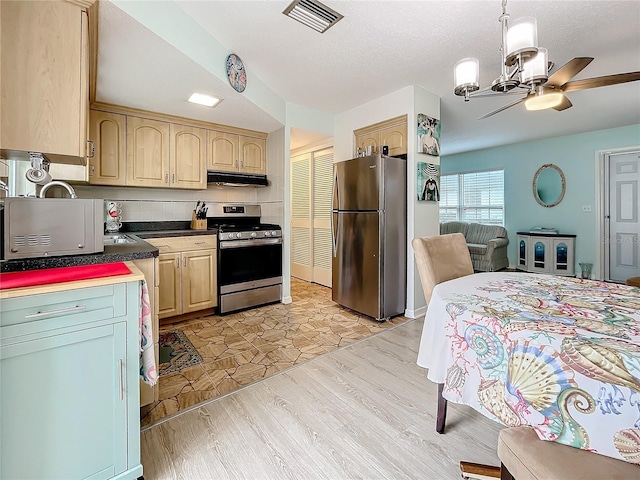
551 93
525 71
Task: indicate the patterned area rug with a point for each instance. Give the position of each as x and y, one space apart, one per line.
176 352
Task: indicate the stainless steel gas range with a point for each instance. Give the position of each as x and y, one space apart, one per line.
249 257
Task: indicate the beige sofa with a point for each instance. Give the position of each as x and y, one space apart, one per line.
487 244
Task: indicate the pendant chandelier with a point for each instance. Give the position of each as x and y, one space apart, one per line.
524 65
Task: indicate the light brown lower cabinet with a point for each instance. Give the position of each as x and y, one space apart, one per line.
187 273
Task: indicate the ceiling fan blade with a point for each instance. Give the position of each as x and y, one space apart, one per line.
600 81
566 103
568 71
509 105
491 93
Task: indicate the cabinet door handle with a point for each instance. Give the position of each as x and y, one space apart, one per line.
121 382
199 243
173 178
166 178
184 264
177 262
236 163
160 246
77 308
241 163
92 150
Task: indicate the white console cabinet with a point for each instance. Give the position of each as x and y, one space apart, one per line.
546 253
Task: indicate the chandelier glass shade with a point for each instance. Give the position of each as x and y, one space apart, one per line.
522 40
536 69
466 74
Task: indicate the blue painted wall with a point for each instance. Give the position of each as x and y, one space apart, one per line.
575 155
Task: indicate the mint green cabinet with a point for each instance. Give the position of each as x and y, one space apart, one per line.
69 384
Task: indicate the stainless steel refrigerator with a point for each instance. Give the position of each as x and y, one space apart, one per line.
369 233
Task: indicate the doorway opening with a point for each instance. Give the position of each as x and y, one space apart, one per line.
311 171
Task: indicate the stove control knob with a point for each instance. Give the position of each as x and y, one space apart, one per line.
254 234
230 235
238 235
274 233
267 233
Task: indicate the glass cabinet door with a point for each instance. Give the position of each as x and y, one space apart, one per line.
561 256
539 255
522 252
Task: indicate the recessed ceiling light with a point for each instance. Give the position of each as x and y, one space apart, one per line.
203 99
313 14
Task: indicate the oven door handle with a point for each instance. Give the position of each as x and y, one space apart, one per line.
250 243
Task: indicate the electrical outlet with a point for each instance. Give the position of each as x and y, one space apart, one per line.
586 208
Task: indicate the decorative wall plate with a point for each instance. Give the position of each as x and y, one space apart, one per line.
236 73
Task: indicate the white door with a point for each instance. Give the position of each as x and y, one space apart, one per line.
301 227
623 213
322 191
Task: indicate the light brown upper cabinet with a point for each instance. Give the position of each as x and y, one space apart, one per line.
395 138
44 79
366 139
392 132
147 152
229 152
252 155
188 157
108 164
223 151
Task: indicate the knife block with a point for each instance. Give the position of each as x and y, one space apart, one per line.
198 224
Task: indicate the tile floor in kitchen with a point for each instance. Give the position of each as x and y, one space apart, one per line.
242 348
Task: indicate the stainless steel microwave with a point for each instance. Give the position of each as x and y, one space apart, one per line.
47 227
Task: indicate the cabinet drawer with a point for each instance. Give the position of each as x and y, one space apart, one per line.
49 311
181 244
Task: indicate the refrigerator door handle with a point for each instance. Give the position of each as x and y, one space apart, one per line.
336 193
334 229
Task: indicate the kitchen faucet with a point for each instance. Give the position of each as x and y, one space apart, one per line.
69 188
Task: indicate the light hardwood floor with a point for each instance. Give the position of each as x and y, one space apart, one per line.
362 411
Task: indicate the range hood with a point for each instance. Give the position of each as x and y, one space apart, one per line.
236 179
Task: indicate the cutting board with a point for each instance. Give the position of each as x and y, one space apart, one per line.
47 276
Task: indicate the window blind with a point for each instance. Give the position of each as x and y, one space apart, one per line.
473 197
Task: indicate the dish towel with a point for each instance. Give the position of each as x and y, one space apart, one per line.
148 370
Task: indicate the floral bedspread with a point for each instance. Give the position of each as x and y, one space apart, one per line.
560 354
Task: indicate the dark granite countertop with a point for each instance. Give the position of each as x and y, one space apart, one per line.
111 254
174 233
163 229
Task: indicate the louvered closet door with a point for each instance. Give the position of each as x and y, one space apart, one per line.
301 250
322 190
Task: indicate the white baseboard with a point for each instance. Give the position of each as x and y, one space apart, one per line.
287 300
417 313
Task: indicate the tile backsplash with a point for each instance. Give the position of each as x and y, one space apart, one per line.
158 210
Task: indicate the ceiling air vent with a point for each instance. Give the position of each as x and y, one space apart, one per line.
313 14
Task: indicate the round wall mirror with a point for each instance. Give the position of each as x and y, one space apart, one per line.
549 185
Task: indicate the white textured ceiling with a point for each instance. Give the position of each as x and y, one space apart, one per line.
379 47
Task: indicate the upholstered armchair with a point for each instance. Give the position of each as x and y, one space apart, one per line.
487 244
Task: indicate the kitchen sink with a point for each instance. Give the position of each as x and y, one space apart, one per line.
117 239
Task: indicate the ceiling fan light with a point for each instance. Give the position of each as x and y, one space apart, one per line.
535 70
541 101
522 40
466 75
